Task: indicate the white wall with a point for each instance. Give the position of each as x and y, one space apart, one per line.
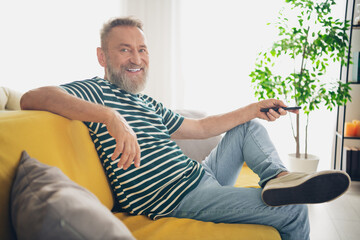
51 42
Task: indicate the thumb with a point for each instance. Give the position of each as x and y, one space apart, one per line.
279 103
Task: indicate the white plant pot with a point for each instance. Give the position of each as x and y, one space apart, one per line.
303 164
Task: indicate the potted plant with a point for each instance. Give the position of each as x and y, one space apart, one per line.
294 68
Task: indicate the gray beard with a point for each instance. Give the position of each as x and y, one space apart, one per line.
119 78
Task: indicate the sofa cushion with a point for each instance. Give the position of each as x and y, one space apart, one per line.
197 149
189 229
43 134
9 99
46 204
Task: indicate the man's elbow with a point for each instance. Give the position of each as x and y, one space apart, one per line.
42 98
24 101
36 99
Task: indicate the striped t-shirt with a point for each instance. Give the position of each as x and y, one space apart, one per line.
165 174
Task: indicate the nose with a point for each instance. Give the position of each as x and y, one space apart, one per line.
135 58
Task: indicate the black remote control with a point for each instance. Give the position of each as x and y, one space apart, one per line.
277 108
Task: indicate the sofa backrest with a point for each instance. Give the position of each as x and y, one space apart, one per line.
55 141
197 149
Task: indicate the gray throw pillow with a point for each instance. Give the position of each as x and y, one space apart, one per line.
46 204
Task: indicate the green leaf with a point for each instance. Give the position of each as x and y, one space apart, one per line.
273 52
314 49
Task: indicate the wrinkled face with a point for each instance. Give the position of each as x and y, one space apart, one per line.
126 58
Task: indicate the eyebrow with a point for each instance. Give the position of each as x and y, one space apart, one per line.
129 46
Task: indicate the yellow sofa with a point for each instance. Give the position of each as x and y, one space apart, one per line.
60 142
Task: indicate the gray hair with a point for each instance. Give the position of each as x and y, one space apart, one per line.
108 26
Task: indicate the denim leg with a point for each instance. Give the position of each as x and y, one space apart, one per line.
248 143
211 202
216 200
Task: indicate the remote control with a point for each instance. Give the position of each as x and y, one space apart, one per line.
277 108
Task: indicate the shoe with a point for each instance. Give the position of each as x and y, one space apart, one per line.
305 188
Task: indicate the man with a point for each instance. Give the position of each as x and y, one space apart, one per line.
148 172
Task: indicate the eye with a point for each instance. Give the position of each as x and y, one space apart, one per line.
124 50
143 50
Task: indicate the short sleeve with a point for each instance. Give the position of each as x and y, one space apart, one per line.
171 120
87 90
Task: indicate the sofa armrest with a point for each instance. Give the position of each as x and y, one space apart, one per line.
9 99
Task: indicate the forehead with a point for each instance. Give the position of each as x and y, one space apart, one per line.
126 35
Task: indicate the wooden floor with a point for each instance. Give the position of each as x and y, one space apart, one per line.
338 219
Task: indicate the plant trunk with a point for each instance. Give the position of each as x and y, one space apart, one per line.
299 83
306 152
297 140
306 136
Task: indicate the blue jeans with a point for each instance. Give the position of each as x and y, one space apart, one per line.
216 200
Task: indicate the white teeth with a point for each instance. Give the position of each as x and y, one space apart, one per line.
134 70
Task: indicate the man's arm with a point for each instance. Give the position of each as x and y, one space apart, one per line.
218 124
56 100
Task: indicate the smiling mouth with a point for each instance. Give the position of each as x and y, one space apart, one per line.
134 70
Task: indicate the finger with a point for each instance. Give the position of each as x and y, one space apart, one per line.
118 149
282 111
274 114
137 158
130 158
296 111
129 161
280 103
271 118
124 157
129 154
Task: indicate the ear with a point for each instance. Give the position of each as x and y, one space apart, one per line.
101 56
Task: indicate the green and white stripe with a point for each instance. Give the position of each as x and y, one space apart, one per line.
166 175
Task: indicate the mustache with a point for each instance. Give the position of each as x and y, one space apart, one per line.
132 66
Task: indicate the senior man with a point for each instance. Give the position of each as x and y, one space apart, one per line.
148 172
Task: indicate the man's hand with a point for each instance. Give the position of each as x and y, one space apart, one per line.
58 101
126 141
217 124
272 115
